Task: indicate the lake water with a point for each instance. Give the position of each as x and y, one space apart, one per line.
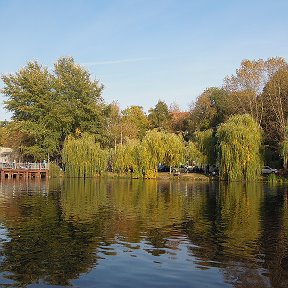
133 233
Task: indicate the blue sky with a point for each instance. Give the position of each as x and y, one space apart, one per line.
144 50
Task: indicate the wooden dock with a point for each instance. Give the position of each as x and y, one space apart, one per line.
24 171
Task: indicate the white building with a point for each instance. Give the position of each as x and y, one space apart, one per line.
6 155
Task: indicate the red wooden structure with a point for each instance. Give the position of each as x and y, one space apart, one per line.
24 170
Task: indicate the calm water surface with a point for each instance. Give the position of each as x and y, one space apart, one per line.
123 233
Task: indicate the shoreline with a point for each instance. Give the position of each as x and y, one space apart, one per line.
164 176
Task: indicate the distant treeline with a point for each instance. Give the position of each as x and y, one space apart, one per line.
61 113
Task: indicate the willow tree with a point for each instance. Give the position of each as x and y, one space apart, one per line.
83 156
129 157
193 154
206 143
154 146
239 140
137 158
174 149
118 159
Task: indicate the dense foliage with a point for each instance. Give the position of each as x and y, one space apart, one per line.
50 106
47 107
240 148
83 156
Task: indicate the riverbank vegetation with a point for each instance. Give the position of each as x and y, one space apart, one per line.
61 114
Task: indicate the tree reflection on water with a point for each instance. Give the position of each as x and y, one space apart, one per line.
58 231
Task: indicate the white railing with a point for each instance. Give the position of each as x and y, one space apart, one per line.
25 166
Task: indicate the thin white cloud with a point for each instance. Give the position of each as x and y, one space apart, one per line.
117 61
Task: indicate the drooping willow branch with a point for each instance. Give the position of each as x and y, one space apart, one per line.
240 148
83 156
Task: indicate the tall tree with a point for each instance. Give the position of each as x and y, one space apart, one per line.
247 84
159 116
275 99
119 159
154 145
136 156
48 106
178 120
206 144
113 131
77 99
134 122
193 154
211 108
239 140
29 93
83 156
174 149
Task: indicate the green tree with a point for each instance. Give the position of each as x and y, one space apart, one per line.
206 144
83 156
78 100
239 140
137 158
113 131
47 107
203 111
134 122
119 162
159 116
193 154
211 108
154 145
30 92
174 149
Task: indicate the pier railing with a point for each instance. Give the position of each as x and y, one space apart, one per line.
25 166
